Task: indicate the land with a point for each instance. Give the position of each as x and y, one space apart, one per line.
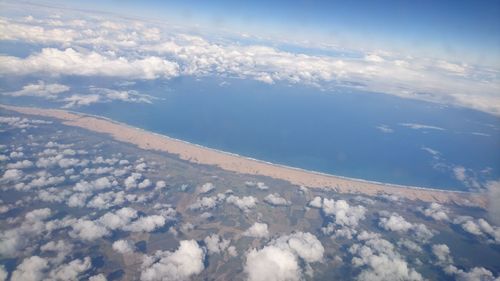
235 163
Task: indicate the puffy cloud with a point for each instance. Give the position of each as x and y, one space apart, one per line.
146 224
23 164
442 253
435 211
119 219
123 246
273 264
258 185
206 203
185 262
31 269
258 230
207 187
88 230
11 175
276 200
397 223
71 62
70 271
244 203
215 244
61 248
479 227
317 202
379 260
279 260
98 277
41 89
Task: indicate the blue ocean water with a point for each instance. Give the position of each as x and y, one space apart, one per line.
325 131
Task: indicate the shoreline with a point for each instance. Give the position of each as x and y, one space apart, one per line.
199 154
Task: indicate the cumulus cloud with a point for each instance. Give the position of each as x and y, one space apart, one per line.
215 244
88 230
41 89
435 211
480 228
397 223
276 200
71 62
123 246
70 271
244 203
207 187
493 188
280 259
379 260
345 217
146 224
181 264
258 230
31 269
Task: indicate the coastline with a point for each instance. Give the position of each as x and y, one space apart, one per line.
236 163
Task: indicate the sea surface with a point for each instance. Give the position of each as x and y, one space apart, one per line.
332 131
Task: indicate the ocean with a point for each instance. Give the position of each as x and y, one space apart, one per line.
343 132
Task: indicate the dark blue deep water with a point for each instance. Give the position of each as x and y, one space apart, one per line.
331 132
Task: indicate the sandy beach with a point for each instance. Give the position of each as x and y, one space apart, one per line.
235 163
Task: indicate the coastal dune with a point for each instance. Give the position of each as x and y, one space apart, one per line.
235 163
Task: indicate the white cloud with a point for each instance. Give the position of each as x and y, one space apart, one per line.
88 230
71 62
98 277
119 219
185 262
244 203
272 264
397 223
379 261
276 200
146 224
31 269
123 246
215 244
258 230
207 187
417 126
436 211
41 89
70 271
279 260
385 129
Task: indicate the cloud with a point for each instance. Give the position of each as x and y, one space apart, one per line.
379 261
181 264
385 129
258 230
119 219
244 203
397 223
207 187
436 211
272 263
41 89
71 62
279 260
215 244
479 227
31 269
88 230
98 277
123 246
417 126
276 200
146 224
71 271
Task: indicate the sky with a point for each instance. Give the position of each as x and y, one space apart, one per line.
456 30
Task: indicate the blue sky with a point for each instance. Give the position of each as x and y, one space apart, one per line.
456 30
